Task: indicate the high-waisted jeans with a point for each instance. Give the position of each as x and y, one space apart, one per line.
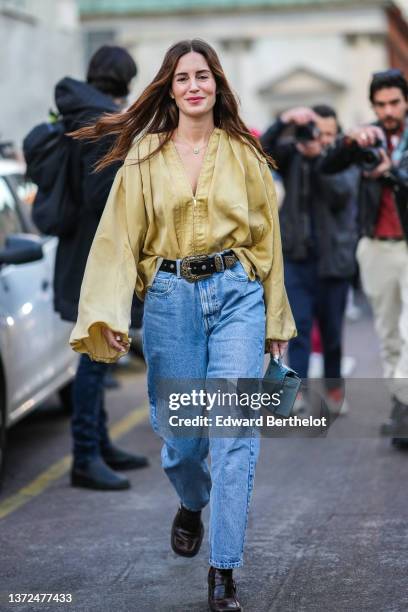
213 328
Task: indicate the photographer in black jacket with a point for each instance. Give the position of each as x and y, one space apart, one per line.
381 151
318 226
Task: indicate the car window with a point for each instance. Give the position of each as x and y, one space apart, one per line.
10 222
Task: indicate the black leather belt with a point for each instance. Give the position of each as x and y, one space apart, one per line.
389 239
196 267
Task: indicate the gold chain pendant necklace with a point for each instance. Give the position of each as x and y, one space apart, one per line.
196 150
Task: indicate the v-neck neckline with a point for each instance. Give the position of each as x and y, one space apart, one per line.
182 167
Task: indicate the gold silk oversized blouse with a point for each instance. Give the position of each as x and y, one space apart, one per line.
151 213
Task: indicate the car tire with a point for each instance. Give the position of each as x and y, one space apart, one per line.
65 396
3 438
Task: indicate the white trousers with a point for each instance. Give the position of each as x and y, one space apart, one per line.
384 276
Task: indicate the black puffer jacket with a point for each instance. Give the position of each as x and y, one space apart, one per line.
342 156
318 214
80 104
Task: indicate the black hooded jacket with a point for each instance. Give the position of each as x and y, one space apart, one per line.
79 104
318 216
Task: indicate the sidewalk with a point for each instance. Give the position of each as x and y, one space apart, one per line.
327 531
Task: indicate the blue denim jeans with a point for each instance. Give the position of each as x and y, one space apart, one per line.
323 299
89 428
213 328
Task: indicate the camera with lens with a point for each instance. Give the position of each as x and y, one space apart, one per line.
368 158
307 132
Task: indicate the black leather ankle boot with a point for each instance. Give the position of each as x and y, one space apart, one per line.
222 591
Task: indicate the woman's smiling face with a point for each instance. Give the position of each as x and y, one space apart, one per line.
193 85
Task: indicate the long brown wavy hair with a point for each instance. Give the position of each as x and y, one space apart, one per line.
155 112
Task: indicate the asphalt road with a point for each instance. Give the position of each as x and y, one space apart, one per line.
327 532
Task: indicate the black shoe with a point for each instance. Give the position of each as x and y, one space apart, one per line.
222 591
187 532
397 424
97 475
119 459
400 443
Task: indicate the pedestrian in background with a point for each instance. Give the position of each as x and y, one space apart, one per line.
110 72
192 222
319 237
382 251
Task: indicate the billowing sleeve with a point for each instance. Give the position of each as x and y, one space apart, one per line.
110 274
279 320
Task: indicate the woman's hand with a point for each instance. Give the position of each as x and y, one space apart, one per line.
115 340
277 348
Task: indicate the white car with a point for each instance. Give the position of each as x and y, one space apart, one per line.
35 357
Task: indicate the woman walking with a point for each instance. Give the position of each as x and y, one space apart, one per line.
191 224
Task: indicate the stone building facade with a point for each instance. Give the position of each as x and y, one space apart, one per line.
40 42
276 53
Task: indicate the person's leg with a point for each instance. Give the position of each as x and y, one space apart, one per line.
331 304
104 438
399 419
300 283
381 284
401 368
114 456
382 268
111 382
89 470
88 397
235 320
175 346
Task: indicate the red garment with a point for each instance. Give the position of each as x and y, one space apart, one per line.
317 346
388 224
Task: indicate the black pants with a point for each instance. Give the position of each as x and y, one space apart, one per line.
89 419
313 298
